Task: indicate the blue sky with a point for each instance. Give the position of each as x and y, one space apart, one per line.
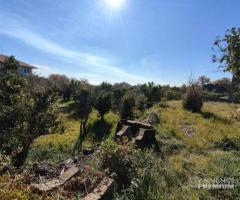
143 40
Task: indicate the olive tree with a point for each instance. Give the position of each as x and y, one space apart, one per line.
103 104
84 104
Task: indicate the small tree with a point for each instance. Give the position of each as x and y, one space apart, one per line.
128 104
85 103
103 104
227 54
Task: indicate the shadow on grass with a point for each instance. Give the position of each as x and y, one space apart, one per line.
73 110
100 129
209 115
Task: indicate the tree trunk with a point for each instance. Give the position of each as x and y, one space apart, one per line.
102 117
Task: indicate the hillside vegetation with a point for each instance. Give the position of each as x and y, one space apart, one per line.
49 120
191 145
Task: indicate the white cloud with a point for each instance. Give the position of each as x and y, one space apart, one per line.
99 67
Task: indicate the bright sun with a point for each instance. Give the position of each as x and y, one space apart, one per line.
114 3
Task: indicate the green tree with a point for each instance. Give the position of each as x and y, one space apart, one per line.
23 115
13 108
227 54
41 118
151 91
84 103
128 104
103 104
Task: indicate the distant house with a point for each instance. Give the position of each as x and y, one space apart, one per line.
25 69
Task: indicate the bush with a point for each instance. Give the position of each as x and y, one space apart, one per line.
119 162
228 144
163 103
193 100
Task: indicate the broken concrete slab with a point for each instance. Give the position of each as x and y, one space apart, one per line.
56 182
141 133
100 192
125 132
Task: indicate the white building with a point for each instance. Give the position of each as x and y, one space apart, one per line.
25 69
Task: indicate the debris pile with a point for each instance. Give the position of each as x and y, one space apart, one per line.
141 134
68 177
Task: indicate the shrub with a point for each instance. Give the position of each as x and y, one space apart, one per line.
193 100
118 161
163 103
228 144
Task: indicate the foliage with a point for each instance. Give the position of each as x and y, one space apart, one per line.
163 103
118 161
228 144
228 51
157 175
127 106
193 100
227 55
151 92
24 113
117 96
103 104
84 102
203 80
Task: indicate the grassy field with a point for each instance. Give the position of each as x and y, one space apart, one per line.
58 146
204 145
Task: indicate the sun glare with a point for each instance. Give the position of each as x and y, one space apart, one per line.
114 3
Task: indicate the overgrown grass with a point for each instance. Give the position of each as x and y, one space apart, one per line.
58 146
203 145
208 127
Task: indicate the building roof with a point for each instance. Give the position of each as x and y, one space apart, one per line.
4 58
